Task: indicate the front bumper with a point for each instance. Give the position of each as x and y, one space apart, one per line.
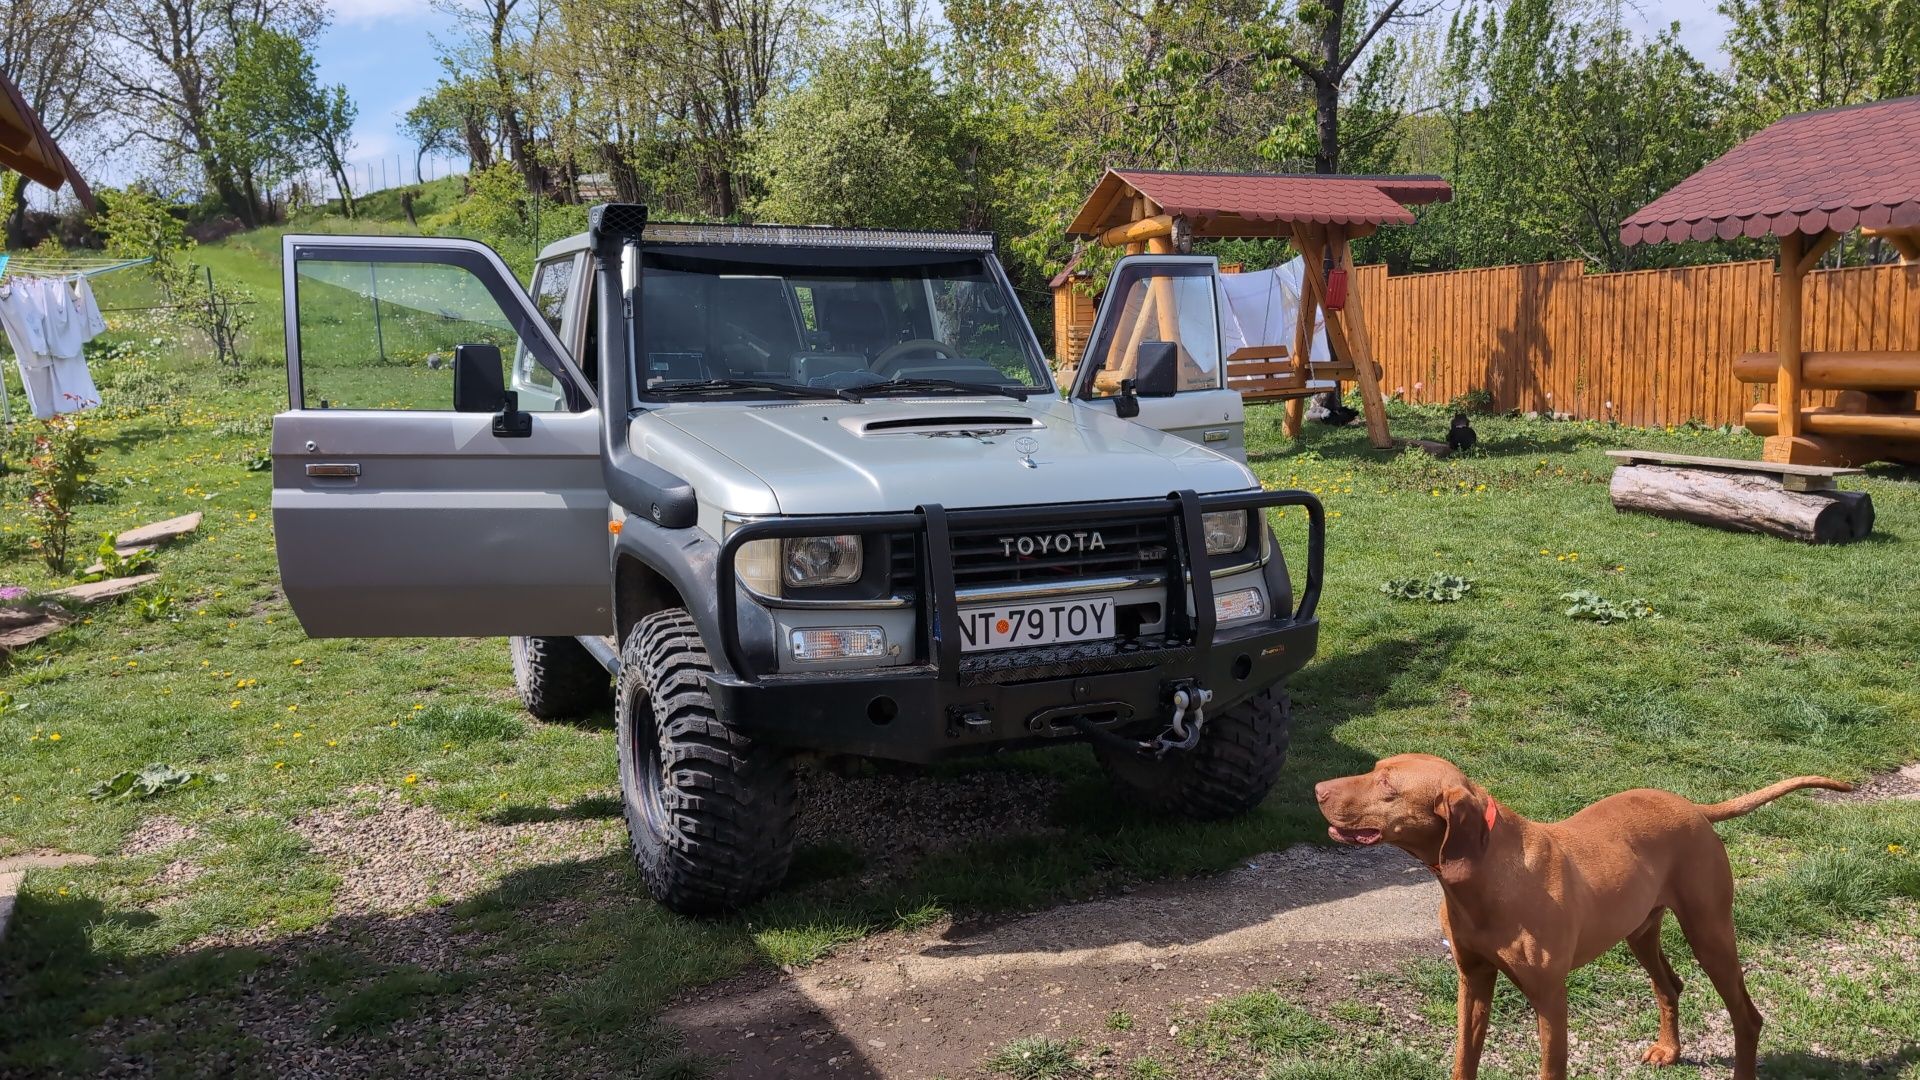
948 704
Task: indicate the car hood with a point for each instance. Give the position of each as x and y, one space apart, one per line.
894 455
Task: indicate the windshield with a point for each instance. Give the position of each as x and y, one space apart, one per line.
804 317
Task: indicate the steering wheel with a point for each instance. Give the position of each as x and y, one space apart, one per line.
887 363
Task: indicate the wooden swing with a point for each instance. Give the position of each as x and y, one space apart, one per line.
1148 212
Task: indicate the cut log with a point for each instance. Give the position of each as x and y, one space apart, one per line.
1838 370
1437 449
1744 502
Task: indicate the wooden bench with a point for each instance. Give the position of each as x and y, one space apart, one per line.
1798 502
1791 477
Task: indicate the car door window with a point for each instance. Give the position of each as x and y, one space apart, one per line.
552 284
1156 303
379 332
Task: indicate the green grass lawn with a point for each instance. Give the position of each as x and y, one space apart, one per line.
1766 659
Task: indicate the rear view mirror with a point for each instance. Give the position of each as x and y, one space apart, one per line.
478 385
1156 370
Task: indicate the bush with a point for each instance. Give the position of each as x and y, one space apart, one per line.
57 472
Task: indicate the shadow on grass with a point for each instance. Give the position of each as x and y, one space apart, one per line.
557 969
1804 1066
584 808
1351 445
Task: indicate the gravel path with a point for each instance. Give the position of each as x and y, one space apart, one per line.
937 1003
895 819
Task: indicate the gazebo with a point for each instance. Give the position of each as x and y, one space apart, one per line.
26 148
1809 180
1147 211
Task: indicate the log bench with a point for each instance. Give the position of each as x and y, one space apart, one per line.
1796 502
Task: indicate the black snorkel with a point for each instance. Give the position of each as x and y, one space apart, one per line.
638 486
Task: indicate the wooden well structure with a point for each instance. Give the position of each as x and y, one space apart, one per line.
1146 211
1810 180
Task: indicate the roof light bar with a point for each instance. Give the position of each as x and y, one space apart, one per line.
677 232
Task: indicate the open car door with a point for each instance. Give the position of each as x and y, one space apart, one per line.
401 508
1154 354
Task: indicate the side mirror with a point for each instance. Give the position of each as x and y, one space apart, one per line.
1156 370
478 385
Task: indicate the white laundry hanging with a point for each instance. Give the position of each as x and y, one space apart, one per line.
48 323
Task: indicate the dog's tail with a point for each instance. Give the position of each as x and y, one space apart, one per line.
1754 800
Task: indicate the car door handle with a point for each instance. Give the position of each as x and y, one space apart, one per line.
337 470
1215 435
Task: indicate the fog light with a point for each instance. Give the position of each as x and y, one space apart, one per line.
1239 604
838 642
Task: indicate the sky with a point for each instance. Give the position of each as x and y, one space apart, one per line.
382 50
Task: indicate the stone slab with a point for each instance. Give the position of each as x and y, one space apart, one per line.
94 591
157 533
19 637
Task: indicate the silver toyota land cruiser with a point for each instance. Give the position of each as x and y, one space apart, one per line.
780 491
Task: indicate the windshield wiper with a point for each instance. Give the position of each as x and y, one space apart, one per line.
950 385
721 386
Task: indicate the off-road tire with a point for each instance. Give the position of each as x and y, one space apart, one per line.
709 811
1229 772
558 678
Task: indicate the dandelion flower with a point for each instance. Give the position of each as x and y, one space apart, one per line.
55 737
234 704
297 662
296 735
413 778
333 742
417 708
293 708
279 764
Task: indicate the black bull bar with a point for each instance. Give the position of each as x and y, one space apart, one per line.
938 624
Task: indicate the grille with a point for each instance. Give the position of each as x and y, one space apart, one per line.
994 556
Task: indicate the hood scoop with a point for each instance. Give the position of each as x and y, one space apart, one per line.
944 425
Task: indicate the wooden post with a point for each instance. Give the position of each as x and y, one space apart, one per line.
1362 355
1787 335
1303 242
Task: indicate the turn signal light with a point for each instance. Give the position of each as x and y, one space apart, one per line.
838 642
1239 604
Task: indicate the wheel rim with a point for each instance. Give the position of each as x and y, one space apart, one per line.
643 755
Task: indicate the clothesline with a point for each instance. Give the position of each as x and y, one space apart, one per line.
63 265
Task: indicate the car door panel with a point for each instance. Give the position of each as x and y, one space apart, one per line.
1165 297
421 521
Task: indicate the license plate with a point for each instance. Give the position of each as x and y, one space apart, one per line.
1046 622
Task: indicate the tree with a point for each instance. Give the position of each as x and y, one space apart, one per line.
46 49
1792 56
274 119
451 118
1561 128
162 62
868 140
1327 39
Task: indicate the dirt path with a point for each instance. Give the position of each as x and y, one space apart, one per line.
937 1003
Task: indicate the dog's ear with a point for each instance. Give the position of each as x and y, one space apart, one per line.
1467 835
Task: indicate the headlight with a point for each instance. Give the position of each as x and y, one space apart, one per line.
820 560
1226 531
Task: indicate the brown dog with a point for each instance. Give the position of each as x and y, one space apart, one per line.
1534 900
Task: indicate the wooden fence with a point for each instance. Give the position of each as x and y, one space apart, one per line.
1648 348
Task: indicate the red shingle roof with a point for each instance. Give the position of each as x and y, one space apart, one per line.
1834 169
1216 202
26 148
